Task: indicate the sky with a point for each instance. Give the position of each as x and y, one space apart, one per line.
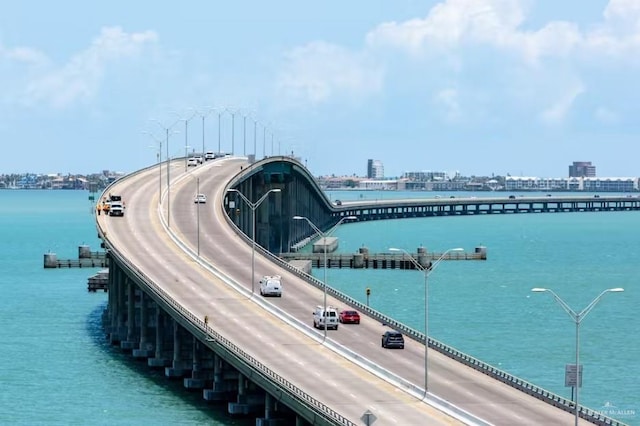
481 87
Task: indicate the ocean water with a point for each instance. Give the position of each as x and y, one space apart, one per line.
58 369
487 309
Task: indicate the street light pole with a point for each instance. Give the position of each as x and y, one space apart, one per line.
166 129
159 158
264 140
233 128
244 135
324 236
186 140
198 212
203 115
577 317
426 270
253 207
219 114
255 129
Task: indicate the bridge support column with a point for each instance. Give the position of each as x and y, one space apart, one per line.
113 303
176 369
198 375
145 349
118 328
219 392
269 412
159 360
107 315
129 344
422 257
245 402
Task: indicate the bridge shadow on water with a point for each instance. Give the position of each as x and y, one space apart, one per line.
216 412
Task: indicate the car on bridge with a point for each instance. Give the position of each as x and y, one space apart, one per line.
200 199
349 316
192 162
116 208
271 286
325 319
392 339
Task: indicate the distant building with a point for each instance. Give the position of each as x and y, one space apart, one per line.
425 176
375 169
582 169
592 184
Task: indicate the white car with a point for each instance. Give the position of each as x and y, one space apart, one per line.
192 162
209 155
198 158
200 199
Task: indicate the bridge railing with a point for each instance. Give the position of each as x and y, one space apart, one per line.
542 394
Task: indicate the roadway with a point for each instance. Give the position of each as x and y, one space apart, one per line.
294 352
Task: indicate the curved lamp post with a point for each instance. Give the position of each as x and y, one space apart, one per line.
253 207
324 236
426 270
577 317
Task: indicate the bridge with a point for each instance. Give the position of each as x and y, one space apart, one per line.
182 297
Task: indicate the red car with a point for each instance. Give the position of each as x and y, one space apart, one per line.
349 317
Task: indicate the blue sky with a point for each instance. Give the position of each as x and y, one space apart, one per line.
483 87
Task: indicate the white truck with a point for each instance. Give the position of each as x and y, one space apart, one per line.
271 286
116 208
325 319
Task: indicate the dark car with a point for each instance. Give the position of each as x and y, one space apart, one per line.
348 316
392 339
512 197
338 203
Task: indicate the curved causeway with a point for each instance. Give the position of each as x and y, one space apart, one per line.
180 296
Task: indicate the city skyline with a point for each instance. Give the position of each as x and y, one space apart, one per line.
486 87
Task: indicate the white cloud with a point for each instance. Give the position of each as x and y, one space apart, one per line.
80 78
498 24
23 55
557 112
451 23
317 71
619 34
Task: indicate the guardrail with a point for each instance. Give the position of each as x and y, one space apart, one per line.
321 410
506 378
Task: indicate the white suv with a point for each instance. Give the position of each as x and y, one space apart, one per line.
328 319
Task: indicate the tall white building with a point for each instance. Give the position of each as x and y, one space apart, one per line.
375 169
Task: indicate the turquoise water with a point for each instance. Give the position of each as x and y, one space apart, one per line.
487 309
58 369
56 366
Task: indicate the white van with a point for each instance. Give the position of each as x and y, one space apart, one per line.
328 319
271 286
